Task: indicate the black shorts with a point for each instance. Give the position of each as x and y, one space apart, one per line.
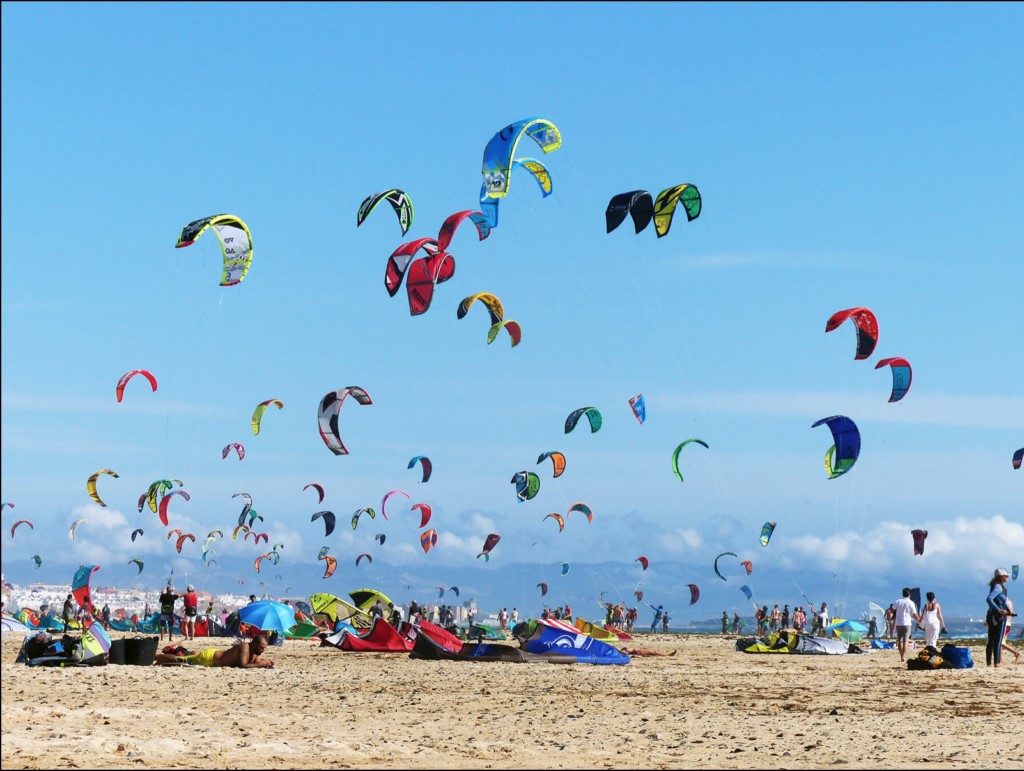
191 612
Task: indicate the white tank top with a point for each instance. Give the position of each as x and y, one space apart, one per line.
930 617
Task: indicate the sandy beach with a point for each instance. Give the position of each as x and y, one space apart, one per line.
708 707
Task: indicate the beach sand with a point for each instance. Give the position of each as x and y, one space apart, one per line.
707 707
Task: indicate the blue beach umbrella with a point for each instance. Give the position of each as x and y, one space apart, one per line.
267 615
848 631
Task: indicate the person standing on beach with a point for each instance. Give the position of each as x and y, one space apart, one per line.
873 628
932 621
188 621
890 620
515 617
658 613
725 622
664 622
906 611
68 611
785 617
736 623
167 600
823 618
1006 635
997 615
776 618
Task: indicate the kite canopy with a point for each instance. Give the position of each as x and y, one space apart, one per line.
584 509
846 445
527 485
559 519
492 303
400 202
489 543
328 518
428 540
398 262
902 375
21 522
257 415
513 327
235 243
327 416
428 467
665 206
332 563
499 154
236 446
91 484
866 325
593 415
639 409
919 536
489 206
766 534
643 561
384 501
80 585
675 455
637 203
694 593
557 461
1018 458
425 512
723 554
128 376
319 490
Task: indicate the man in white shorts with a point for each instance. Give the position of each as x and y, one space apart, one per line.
906 612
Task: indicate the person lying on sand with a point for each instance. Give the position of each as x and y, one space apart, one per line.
242 654
643 652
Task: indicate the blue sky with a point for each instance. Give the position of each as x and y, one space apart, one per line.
847 155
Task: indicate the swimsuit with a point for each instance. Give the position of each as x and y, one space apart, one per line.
204 658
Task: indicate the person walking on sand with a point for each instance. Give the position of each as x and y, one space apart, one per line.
890 621
725 622
932 621
1006 636
906 612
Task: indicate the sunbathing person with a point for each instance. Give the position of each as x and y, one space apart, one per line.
643 652
242 654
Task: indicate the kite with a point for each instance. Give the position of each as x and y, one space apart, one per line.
583 509
6 504
451 224
514 329
425 274
593 415
136 532
748 565
319 490
557 461
694 593
172 533
323 551
129 375
489 206
237 530
157 489
38 559
384 500
723 554
675 455
454 589
257 536
559 519
245 509
138 562
565 568
235 243
238 448
1015 571
399 261
499 154
206 558
766 533
181 540
440 591
355 517
253 516
329 520
257 414
212 533
332 564
259 559
637 590
543 588
74 527
527 484
80 585
428 539
639 410
665 206
489 543
1018 458
866 325
400 202
327 416
902 375
746 590
380 538
166 500
90 484
426 464
638 204
22 522
360 557
644 562
493 304
846 445
919 536
425 512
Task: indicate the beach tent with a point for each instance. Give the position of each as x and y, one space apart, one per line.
549 638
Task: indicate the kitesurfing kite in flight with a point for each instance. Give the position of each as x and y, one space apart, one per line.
235 243
864 322
400 202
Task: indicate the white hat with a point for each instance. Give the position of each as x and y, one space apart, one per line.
1000 572
190 588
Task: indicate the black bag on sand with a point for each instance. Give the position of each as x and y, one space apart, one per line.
117 651
140 651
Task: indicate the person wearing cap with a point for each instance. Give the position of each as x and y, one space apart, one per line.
191 600
997 615
167 600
